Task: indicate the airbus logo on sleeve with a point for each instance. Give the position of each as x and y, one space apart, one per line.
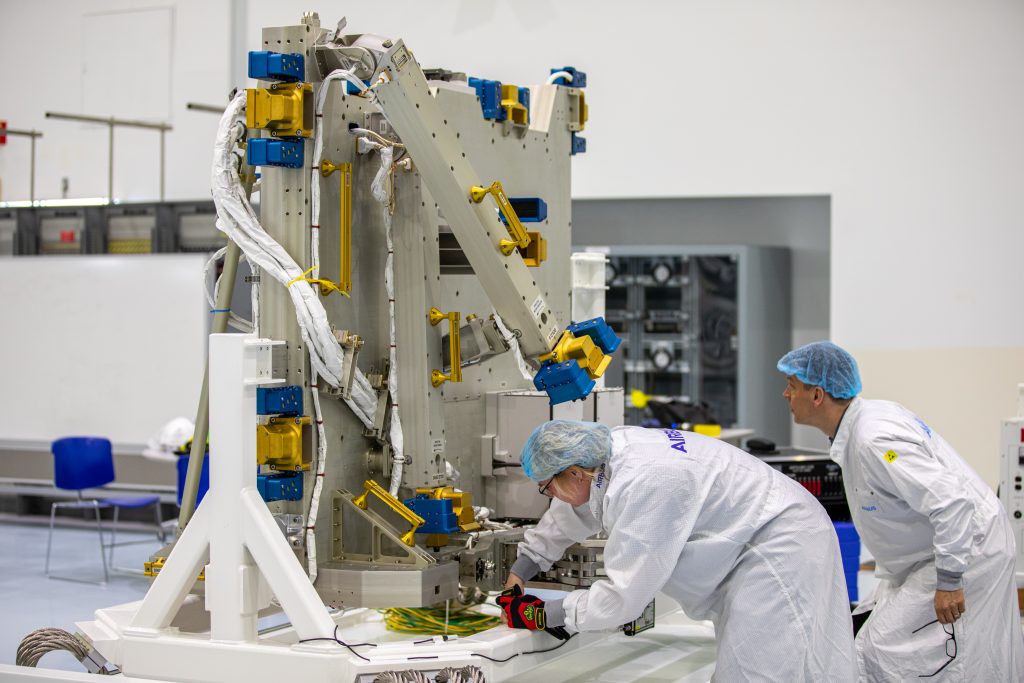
677 440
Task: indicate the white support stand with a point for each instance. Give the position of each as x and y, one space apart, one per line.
247 551
164 638
250 561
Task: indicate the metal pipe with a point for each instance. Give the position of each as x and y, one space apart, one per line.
202 429
32 134
196 106
109 121
32 173
110 165
113 123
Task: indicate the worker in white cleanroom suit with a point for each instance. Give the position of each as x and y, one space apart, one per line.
725 535
942 543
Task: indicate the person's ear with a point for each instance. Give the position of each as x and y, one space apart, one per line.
819 396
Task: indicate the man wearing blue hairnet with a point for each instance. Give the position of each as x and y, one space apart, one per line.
722 533
943 545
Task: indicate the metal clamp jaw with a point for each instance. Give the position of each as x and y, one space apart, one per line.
437 378
409 538
520 239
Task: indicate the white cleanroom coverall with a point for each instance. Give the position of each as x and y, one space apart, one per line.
929 521
723 534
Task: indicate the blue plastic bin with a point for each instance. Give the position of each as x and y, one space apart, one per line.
204 478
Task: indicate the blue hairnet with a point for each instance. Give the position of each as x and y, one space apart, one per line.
823 364
558 445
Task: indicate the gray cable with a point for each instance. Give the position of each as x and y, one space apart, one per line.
45 640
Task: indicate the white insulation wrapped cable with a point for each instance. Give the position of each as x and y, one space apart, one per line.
559 74
513 342
237 219
383 192
318 478
234 320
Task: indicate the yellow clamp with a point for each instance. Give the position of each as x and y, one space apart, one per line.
437 378
515 229
153 568
581 349
344 283
409 538
279 443
578 110
515 111
285 109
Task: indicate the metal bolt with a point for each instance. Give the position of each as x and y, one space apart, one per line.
387 43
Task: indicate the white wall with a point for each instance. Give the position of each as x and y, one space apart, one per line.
907 114
46 54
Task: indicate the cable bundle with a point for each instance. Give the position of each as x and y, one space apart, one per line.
45 640
430 621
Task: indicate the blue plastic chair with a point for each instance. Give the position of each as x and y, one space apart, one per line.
84 462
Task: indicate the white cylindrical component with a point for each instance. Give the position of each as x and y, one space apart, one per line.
588 288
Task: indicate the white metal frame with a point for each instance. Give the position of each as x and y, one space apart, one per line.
249 560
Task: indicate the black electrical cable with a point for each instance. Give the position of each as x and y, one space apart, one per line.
339 641
531 652
335 639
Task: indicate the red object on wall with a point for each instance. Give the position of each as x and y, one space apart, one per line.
3 132
67 235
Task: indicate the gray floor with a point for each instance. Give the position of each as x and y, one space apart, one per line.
31 600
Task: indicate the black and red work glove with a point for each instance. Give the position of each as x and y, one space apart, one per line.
522 611
527 611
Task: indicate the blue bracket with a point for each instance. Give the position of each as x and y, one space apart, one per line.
266 152
279 486
567 381
597 329
563 381
439 514
279 400
274 66
579 78
489 94
524 98
579 145
528 209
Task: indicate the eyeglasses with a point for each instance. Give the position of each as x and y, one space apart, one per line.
544 490
951 639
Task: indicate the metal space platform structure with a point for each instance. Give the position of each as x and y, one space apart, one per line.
411 325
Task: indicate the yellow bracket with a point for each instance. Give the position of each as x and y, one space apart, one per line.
153 568
514 109
520 239
398 506
344 283
581 349
437 378
285 109
537 252
578 110
279 443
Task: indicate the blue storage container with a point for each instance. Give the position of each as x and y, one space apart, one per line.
849 549
204 478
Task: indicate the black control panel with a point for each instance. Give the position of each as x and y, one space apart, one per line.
817 473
